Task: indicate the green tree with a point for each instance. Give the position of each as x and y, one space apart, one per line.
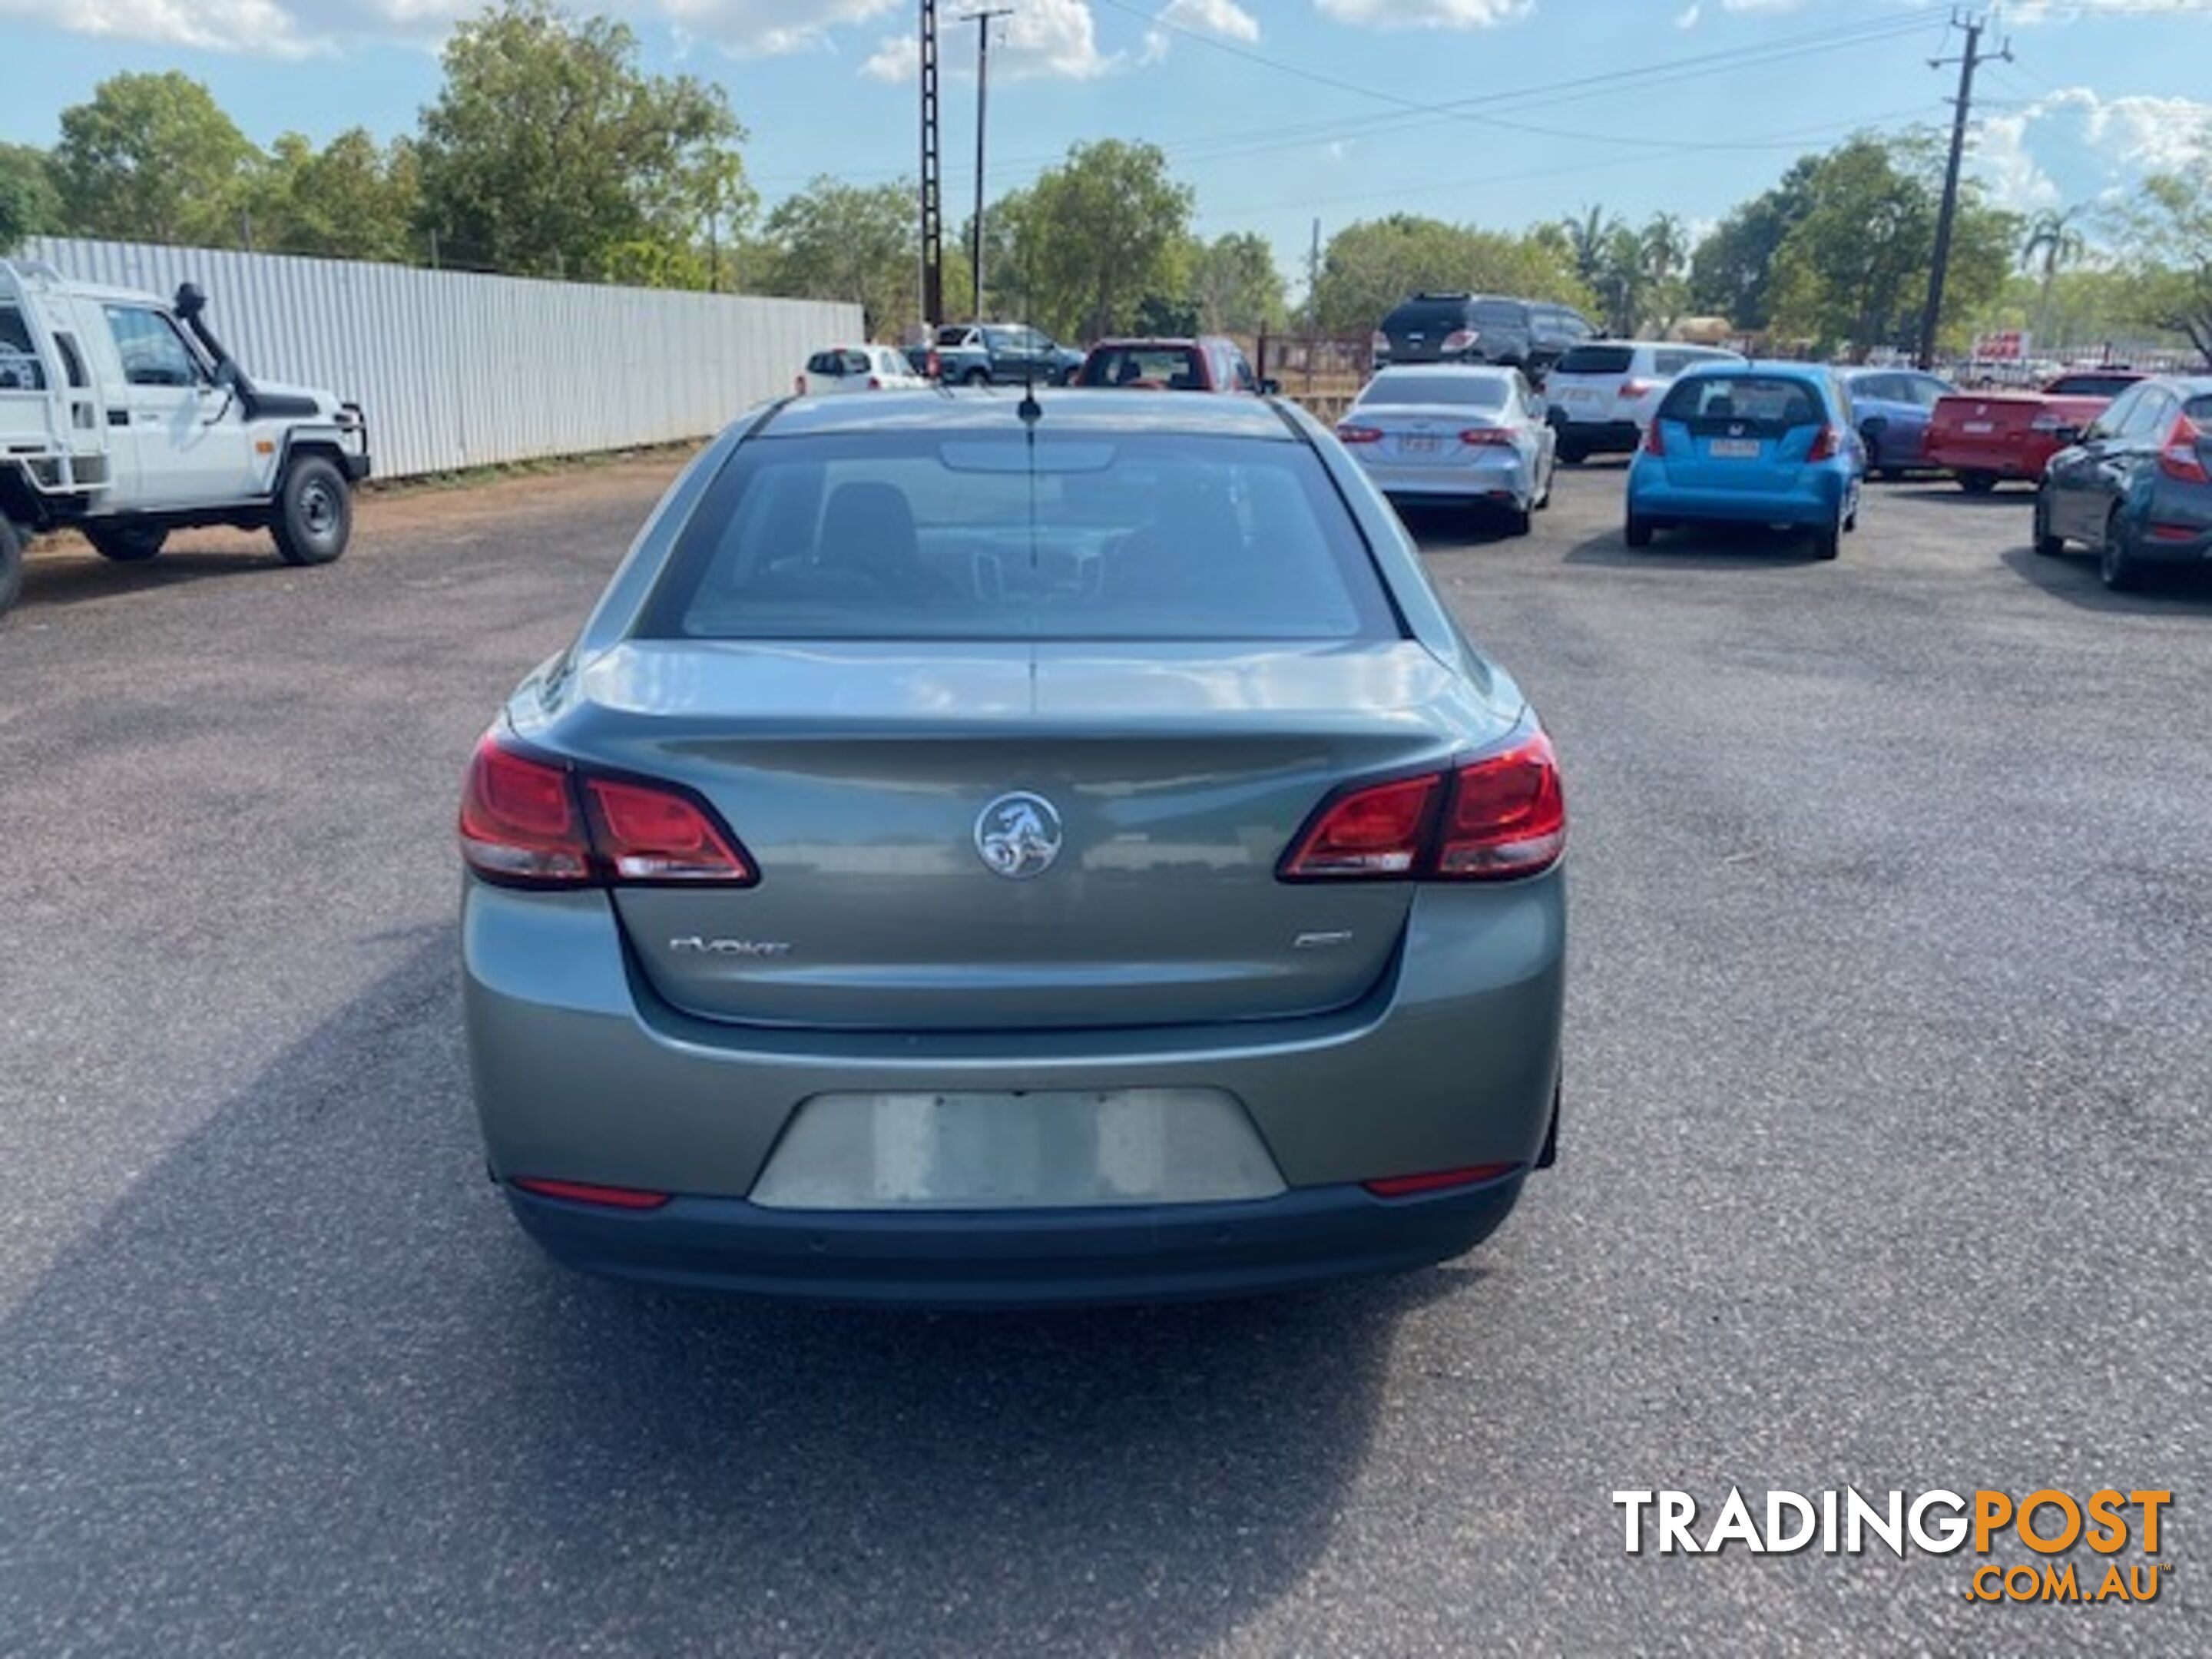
1854 270
350 200
1370 265
1731 272
549 153
2168 233
1589 240
152 158
1102 230
860 243
2052 241
1236 287
29 203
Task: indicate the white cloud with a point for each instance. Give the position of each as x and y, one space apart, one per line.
764 28
1425 14
1223 17
2075 142
2003 162
1688 20
2065 11
1045 39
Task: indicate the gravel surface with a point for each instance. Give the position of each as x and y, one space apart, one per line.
1885 1160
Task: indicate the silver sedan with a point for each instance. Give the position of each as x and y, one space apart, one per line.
1454 434
989 850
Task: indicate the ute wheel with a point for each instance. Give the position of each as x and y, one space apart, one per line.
1978 484
1636 532
2048 545
2119 568
11 564
126 544
976 377
314 513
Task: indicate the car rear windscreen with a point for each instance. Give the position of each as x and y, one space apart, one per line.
1174 367
1596 359
1757 402
2090 386
1076 536
1426 315
1467 390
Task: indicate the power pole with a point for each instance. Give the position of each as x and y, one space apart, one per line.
983 20
1968 61
1313 314
933 217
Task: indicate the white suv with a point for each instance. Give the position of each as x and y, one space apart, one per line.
857 368
1602 392
121 416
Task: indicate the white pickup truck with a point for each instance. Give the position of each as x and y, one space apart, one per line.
122 416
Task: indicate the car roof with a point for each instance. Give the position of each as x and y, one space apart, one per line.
1773 368
1100 411
1155 342
1472 371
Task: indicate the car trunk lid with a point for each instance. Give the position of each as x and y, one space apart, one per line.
901 811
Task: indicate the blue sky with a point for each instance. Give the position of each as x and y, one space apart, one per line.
1278 111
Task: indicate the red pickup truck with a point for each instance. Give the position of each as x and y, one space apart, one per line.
1985 436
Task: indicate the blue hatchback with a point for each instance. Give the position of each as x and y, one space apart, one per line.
1750 443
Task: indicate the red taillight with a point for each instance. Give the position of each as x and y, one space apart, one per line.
523 823
520 822
1486 435
649 834
933 365
1507 815
2181 457
1410 1186
875 383
1824 445
1654 441
1380 830
2174 533
1460 339
1636 388
1358 435
1492 819
1379 343
586 1192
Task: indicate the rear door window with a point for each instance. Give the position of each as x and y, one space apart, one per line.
1500 313
20 368
918 536
1757 402
1174 368
1596 359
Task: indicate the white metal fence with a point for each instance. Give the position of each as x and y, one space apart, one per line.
456 369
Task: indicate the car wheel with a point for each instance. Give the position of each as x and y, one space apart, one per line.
1636 532
11 564
314 513
1517 521
2048 545
1828 539
1544 500
1573 454
2115 563
126 544
976 377
1978 484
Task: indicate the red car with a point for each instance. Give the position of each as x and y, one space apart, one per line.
1987 437
1203 363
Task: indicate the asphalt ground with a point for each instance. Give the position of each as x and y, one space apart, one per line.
1884 1161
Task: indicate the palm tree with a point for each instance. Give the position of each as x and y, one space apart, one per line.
2052 241
1587 237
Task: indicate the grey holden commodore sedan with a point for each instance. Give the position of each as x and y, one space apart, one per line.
992 849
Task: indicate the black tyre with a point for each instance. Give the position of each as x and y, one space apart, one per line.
1636 532
1828 540
2116 563
11 564
126 544
1573 454
976 377
1978 484
2048 545
1517 521
314 512
1544 500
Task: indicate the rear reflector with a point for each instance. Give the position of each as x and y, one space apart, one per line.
532 822
1358 435
1486 434
1655 440
1459 339
584 1192
1436 1180
2177 532
2182 458
1633 389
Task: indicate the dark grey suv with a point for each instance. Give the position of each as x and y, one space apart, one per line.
1479 328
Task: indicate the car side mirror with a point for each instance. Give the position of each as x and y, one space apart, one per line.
2068 435
1872 426
1271 387
225 374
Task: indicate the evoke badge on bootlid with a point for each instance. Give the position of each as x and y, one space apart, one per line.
1017 836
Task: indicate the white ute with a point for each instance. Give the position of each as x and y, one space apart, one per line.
122 416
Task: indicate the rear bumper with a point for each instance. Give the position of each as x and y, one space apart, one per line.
582 1073
1600 437
1018 1259
2152 548
2000 460
1814 502
1489 479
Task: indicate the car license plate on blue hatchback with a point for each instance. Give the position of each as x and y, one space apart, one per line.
1735 449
